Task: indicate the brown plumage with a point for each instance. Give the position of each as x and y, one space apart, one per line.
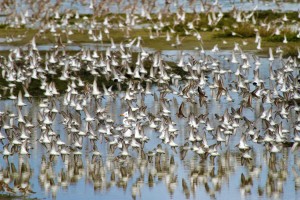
220 89
180 113
202 97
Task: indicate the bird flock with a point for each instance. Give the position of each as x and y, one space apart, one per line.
128 108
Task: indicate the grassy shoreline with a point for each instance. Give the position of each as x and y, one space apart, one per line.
15 197
225 33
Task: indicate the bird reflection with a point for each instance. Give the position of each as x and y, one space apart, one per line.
103 174
118 115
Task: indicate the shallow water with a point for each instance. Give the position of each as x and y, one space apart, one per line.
173 175
226 5
269 176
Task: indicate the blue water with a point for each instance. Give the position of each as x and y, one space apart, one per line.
224 183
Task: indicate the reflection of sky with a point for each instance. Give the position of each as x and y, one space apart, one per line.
226 5
230 184
231 164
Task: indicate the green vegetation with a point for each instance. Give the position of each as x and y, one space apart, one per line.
226 28
34 85
194 32
14 197
290 37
